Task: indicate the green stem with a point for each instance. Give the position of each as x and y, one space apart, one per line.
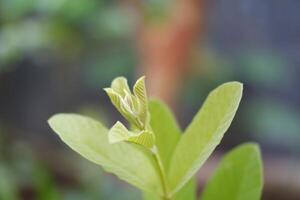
162 174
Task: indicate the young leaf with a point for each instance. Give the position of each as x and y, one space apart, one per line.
139 90
204 133
90 139
119 133
238 176
133 106
168 133
120 85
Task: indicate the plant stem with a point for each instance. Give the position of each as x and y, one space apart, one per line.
162 174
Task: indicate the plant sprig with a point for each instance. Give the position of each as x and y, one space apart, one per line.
154 156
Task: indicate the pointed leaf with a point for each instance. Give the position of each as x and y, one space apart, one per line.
145 139
115 98
120 86
119 133
188 192
168 133
139 90
133 107
89 138
238 176
166 130
204 133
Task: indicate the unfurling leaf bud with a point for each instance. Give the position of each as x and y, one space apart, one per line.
134 108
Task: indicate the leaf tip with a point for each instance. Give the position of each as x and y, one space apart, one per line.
53 119
142 78
117 133
250 146
234 87
234 84
59 120
119 79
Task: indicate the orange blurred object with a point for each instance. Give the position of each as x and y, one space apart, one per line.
165 48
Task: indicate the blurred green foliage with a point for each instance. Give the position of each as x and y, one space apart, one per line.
79 31
24 175
270 111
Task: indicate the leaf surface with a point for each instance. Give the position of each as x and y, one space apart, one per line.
238 176
188 192
166 129
89 138
168 134
204 133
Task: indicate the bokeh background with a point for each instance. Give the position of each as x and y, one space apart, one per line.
56 56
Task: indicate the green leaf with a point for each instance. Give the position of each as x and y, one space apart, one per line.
188 192
139 90
120 86
166 130
119 133
8 183
167 133
204 133
133 107
118 90
89 138
238 176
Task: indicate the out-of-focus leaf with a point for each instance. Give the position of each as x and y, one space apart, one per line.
45 184
204 133
78 10
89 138
113 23
14 9
280 124
259 63
238 176
8 186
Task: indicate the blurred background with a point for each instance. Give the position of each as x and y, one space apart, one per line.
56 56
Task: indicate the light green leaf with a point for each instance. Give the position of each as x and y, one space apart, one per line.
145 139
133 107
122 105
188 192
238 176
89 138
114 97
120 86
139 90
168 133
119 133
166 130
118 90
204 133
